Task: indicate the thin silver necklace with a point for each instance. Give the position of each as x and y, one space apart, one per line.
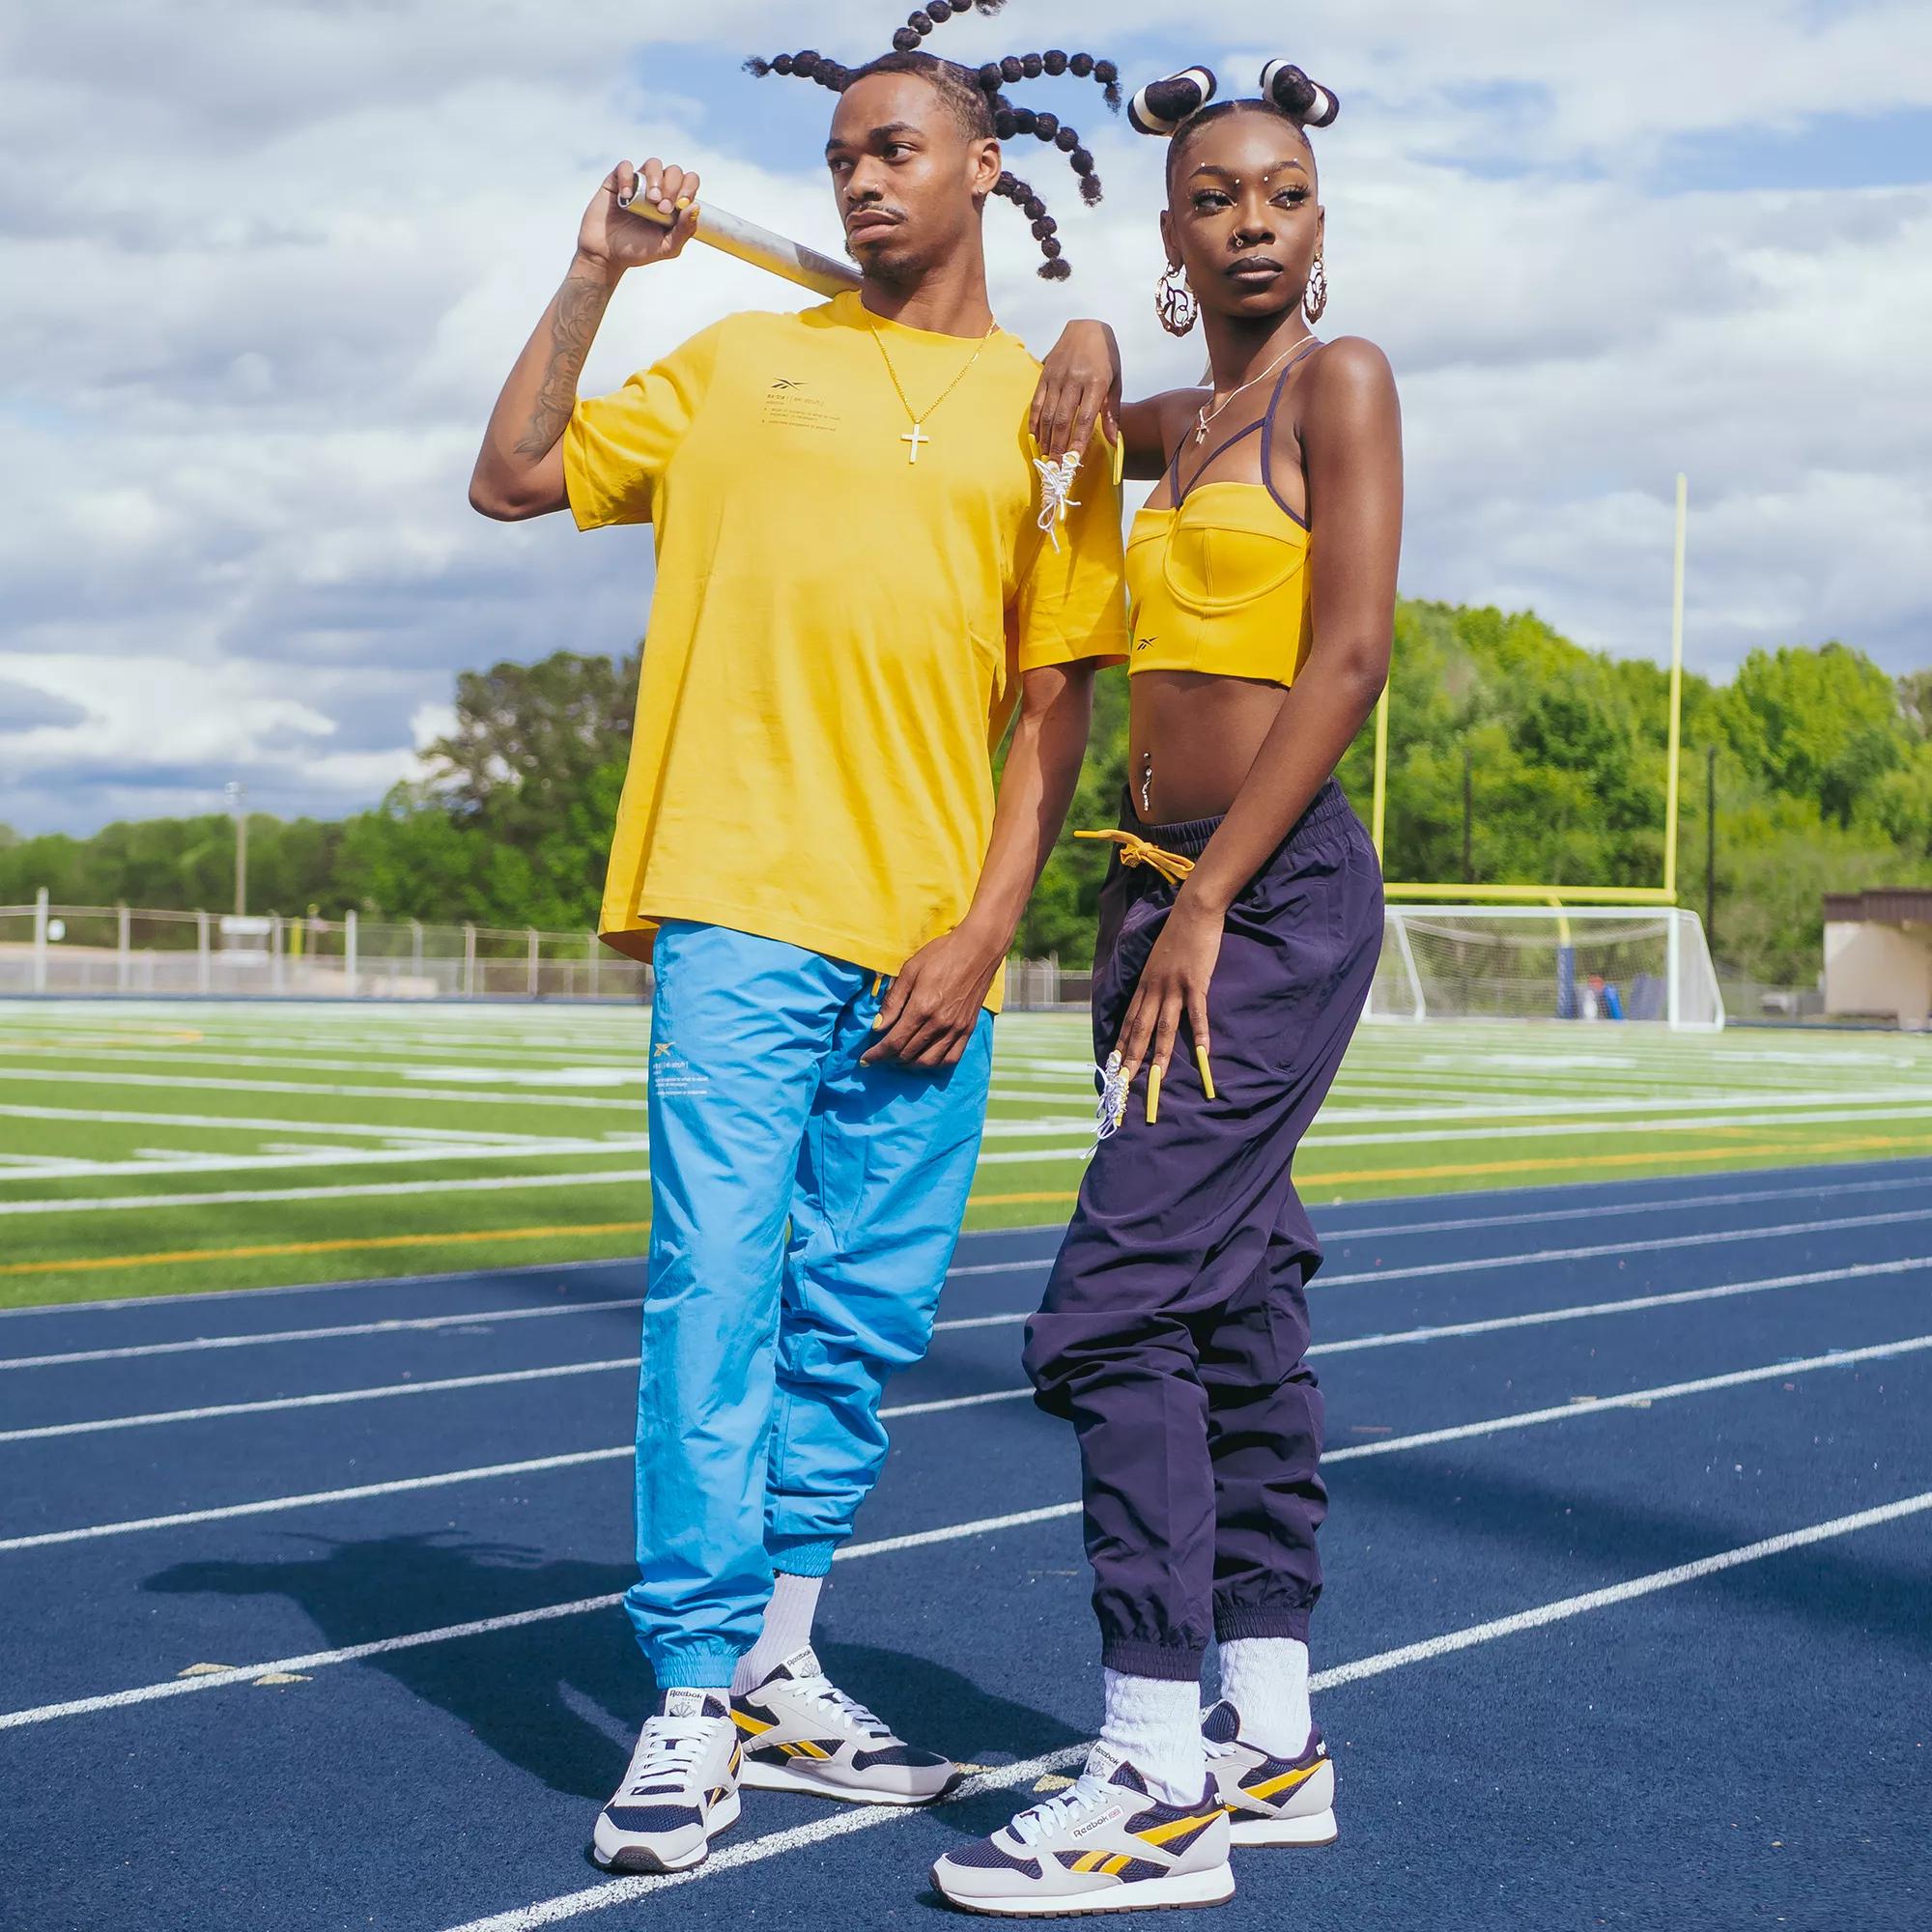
1204 415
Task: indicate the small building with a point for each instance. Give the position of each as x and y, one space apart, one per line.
1878 954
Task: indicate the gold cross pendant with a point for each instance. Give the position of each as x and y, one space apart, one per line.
916 437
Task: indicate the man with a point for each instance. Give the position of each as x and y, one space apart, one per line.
854 591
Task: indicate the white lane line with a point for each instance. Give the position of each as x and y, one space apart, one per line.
1534 1318
394 1325
321 1660
1539 1255
541 1465
271 1405
800 1837
1397 1338
1629 1205
331 1398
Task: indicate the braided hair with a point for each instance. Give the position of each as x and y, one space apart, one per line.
977 97
1177 108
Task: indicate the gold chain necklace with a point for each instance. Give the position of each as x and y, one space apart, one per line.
1203 416
918 436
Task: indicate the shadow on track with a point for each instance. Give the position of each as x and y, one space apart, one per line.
563 1699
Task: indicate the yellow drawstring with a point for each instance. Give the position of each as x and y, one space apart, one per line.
1137 851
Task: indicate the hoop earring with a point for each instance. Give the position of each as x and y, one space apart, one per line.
1315 298
1175 301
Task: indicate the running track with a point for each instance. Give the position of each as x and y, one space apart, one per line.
1663 1658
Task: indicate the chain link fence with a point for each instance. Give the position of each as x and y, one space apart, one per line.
95 950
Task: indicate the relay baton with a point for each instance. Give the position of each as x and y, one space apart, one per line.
733 235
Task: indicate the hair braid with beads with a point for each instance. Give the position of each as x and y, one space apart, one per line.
978 100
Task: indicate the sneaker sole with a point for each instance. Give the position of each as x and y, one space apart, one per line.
1317 1829
779 1777
1181 1892
641 1858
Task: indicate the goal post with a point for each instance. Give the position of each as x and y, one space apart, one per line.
1600 963
1558 952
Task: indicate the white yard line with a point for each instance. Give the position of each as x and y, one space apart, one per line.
417 1153
202 1083
543 1464
246 1123
82 1203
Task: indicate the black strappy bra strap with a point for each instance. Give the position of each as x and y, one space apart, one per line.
1268 434
1266 425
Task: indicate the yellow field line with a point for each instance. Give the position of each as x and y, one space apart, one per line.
1866 1143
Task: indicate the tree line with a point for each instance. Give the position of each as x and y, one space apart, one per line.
1823 768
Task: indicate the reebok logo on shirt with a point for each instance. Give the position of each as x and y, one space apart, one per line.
791 404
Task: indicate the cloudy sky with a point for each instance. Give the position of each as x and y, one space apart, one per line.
263 265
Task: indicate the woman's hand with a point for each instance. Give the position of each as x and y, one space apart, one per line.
1079 386
1172 984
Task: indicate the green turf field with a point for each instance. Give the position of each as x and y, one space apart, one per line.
153 1148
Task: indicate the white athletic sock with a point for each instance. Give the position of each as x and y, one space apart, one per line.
787 1630
1265 1678
1155 1723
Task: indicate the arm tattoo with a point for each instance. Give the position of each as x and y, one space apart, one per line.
580 307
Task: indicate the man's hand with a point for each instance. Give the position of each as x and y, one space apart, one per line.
1172 987
933 1007
1079 386
614 237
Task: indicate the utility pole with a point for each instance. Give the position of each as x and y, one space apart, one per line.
1710 848
237 803
1468 821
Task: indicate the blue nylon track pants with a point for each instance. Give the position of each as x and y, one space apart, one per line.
805 1210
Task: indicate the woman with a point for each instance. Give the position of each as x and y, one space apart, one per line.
1243 909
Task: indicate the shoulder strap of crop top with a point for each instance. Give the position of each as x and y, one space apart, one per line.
1264 424
1268 434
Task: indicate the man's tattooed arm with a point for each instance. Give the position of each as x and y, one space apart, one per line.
575 317
520 469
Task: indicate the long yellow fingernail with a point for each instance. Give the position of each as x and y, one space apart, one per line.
1206 1076
1153 1094
684 201
1120 458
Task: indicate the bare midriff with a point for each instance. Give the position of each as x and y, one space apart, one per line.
1192 737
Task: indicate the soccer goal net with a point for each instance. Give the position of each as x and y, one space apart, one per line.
1594 963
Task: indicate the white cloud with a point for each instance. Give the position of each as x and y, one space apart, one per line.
266 265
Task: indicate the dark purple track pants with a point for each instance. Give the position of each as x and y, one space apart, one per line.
1175 1330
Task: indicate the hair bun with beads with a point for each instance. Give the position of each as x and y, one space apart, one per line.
1163 105
1287 87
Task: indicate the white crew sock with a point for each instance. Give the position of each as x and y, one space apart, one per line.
1265 1678
1155 1723
787 1630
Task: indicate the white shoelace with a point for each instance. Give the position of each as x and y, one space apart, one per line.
1088 1794
852 1714
667 1753
1215 1750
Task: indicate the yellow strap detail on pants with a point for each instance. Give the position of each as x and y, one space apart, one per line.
1137 851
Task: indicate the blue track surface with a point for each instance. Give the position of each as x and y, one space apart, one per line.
1746 1748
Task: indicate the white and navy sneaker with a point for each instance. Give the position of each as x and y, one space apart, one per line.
802 1733
680 1791
1102 1845
1270 1801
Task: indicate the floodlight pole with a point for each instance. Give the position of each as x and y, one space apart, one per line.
1676 695
1710 848
237 799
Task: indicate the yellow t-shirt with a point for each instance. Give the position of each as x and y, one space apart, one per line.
838 630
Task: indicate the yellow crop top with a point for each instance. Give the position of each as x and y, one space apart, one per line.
1219 582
